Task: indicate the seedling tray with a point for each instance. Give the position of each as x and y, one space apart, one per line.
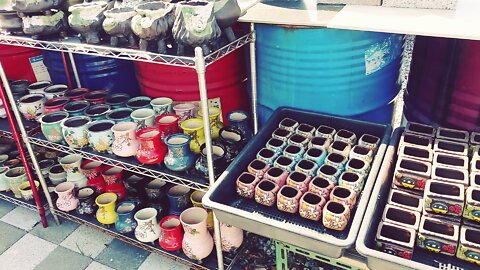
291 228
365 245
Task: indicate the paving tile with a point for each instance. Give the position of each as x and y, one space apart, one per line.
9 235
87 241
22 218
5 207
26 253
64 259
122 256
55 233
97 266
155 261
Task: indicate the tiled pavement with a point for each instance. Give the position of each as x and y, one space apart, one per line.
25 245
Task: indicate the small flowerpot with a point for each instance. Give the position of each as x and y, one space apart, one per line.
266 192
162 105
246 183
288 124
179 156
317 155
450 174
38 87
196 199
97 112
216 124
438 236
345 136
55 105
92 169
298 140
268 156
258 168
336 160
233 141
277 175
194 128
155 190
76 94
171 235
55 91
411 174
401 217
288 199
26 190
396 240
311 206
219 160
344 196
240 120
75 131
125 143
184 111
321 187
143 117
106 208
4 184
457 162
325 132
340 147
299 181
117 100
120 115
32 106
76 108
443 198
57 174
167 124
472 204
353 181
71 164
100 136
294 152
112 175
151 149
96 97
418 153
362 153
320 142
405 200
329 173
335 216
420 129
469 245
86 197
369 141
147 229
135 184
51 126
282 134
358 166
197 242
125 222
284 163
305 130
232 237
178 197
276 145
19 88
98 184
141 102
66 197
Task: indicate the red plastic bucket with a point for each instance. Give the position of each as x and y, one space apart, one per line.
18 62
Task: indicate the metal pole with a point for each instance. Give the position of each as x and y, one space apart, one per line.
74 68
253 78
202 85
16 137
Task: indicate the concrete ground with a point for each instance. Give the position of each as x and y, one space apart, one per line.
26 245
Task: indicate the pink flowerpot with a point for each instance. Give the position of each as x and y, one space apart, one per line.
66 197
197 242
151 149
55 104
288 199
266 192
232 237
125 143
76 94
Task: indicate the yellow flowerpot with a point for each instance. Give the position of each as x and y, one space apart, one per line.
106 208
196 198
194 128
215 123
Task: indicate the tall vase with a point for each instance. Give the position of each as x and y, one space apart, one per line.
171 235
106 208
194 128
4 184
124 144
151 149
71 165
232 237
125 222
197 242
240 120
147 229
66 197
15 177
179 156
216 124
196 198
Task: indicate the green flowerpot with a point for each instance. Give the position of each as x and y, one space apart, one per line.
51 126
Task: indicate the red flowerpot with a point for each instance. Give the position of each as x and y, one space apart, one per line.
96 97
117 188
92 169
98 183
112 175
151 149
167 124
55 104
171 236
76 94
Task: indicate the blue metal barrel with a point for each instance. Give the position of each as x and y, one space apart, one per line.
95 73
340 72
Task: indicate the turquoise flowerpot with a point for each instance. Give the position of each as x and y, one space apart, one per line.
179 156
125 222
51 126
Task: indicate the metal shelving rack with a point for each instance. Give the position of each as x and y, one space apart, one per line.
199 62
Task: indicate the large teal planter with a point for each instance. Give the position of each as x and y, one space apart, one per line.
51 126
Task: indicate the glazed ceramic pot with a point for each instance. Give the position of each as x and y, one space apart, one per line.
26 190
219 161
125 222
288 199
320 142
4 184
12 163
119 189
55 91
305 130
10 22
15 177
276 145
197 242
345 136
45 166
96 97
321 187
178 197
29 7
311 206
76 108
196 199
147 229
38 87
141 102
284 163
240 120
86 201
71 165
116 101
233 141
155 190
125 143
288 124
344 196
51 126
44 25
358 166
307 167
353 181
151 149
87 19
76 94
167 124
57 174
335 216
258 168
361 152
277 175
75 131
246 184
100 135
195 26
329 172
112 175
92 169
282 134
106 208
184 111
299 181
325 132
135 184
117 25
179 156
19 87
120 115
66 197
152 23
232 237
266 192
171 235
55 104
32 106
162 105
298 140
161 207
143 117
268 156
316 155
340 147
216 124
294 152
97 111
369 141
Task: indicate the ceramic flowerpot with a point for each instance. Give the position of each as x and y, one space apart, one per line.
171 235
184 111
92 170
232 237
76 94
143 117
197 242
196 198
26 190
152 23
19 87
4 184
38 87
147 229
125 143
87 19
51 126
55 104
179 156
55 91
167 124
178 199
44 25
141 102
100 135
194 128
32 106
120 115
117 25
71 165
106 208
219 161
155 190
97 112
28 6
66 197
57 174
151 149
116 101
76 108
75 131
162 105
216 124
96 97
233 140
119 189
125 222
15 177
240 120
112 175
86 198
195 26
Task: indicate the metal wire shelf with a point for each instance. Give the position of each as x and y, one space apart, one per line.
124 53
9 197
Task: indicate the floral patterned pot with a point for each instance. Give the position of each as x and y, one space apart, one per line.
319 142
141 102
396 240
120 115
298 140
26 190
469 245
97 111
179 156
100 135
336 160
216 124
369 141
32 106
358 166
276 145
335 216
155 190
288 124
219 160
258 168
351 180
345 136
329 173
325 132
71 165
266 192
288 199
143 117
125 222
92 169
117 25
66 197
311 206
268 156
75 132
194 128
151 149
87 19
343 195
171 235
246 184
299 181
472 204
51 126
86 197
282 134
277 175
106 208
57 174
307 167
184 111
197 242
116 101
294 152
162 105
444 198
178 197
233 141
167 124
38 87
363 153
232 237
112 175
340 147
55 91
305 130
55 104
147 229
316 155
125 143
411 174
76 108
240 120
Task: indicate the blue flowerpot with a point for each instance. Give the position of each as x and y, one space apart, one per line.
125 222
179 156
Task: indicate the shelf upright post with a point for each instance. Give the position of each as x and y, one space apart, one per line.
74 68
202 85
253 78
17 137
